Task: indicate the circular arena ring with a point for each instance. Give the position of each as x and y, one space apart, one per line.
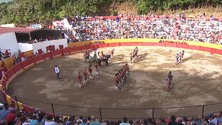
195 88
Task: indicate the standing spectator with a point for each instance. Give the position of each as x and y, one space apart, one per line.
49 120
58 121
41 119
213 120
94 121
220 118
124 121
173 120
205 120
71 120
145 122
65 120
150 121
57 72
34 120
162 121
84 121
10 118
88 119
18 116
80 119
185 121
4 112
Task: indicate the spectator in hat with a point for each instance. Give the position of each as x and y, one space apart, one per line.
94 121
124 121
10 118
150 121
162 121
4 112
173 120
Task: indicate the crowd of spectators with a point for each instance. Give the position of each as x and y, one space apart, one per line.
178 27
11 116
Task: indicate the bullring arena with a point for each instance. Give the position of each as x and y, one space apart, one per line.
196 82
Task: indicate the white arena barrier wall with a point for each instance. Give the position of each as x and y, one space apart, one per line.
23 47
9 41
44 44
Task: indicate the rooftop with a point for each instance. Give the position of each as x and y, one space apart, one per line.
15 29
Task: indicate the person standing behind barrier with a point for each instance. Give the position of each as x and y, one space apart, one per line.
57 72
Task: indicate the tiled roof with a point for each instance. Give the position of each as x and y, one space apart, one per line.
15 29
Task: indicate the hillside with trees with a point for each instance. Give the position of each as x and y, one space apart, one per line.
44 11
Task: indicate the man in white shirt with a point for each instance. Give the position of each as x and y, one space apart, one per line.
57 72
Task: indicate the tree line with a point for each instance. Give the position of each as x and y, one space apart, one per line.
44 11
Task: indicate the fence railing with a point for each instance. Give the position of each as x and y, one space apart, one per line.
104 113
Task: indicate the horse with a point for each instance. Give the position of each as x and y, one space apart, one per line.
105 59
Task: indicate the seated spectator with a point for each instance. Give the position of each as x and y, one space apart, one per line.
125 120
94 121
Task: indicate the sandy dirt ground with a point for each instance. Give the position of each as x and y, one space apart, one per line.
197 81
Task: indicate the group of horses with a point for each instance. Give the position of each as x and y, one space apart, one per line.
95 57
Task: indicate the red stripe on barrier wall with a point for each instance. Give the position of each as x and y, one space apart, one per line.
102 45
9 74
206 49
126 44
182 46
46 56
56 53
28 108
160 44
65 51
137 44
37 58
170 45
148 44
217 51
114 44
27 63
72 49
193 47
18 67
